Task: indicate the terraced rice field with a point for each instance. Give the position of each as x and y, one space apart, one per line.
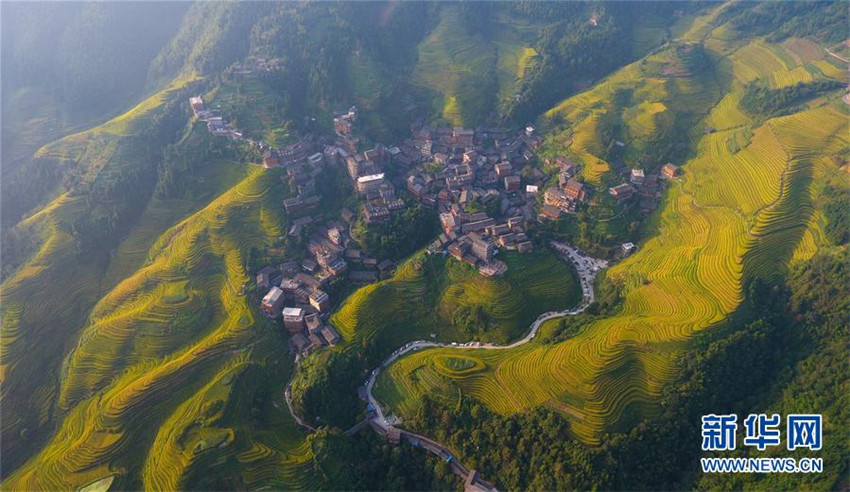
180 318
367 79
643 120
209 429
131 254
153 349
639 99
447 58
461 67
732 216
781 65
426 291
250 103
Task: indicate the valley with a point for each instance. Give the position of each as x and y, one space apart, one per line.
543 239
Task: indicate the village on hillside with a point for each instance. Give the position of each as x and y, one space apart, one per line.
481 182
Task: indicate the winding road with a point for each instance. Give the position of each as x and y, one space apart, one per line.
587 268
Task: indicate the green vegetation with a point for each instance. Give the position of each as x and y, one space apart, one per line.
379 465
733 218
762 101
461 66
429 297
133 353
823 21
817 383
401 235
837 214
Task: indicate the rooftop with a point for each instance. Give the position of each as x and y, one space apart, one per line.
370 177
293 311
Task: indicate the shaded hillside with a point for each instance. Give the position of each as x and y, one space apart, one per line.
67 67
71 63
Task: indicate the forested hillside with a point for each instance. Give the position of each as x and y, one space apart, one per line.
134 351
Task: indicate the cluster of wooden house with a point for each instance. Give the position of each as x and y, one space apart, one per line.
298 299
216 124
565 197
295 291
366 170
301 174
331 253
456 165
474 238
462 171
642 189
637 188
291 155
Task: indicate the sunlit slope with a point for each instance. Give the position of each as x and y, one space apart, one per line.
153 312
213 426
426 292
739 211
33 300
626 112
47 300
152 341
469 71
132 123
643 101
793 226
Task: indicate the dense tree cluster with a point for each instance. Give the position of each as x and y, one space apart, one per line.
762 100
368 462
837 211
822 20
400 236
574 52
571 52
322 391
471 320
211 37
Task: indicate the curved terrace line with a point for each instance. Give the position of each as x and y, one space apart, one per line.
587 267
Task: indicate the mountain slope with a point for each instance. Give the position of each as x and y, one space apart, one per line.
739 212
132 348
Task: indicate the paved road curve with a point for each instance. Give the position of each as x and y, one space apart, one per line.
587 269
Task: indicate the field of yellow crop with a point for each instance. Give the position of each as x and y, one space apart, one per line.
628 109
33 301
147 338
426 291
732 216
180 318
